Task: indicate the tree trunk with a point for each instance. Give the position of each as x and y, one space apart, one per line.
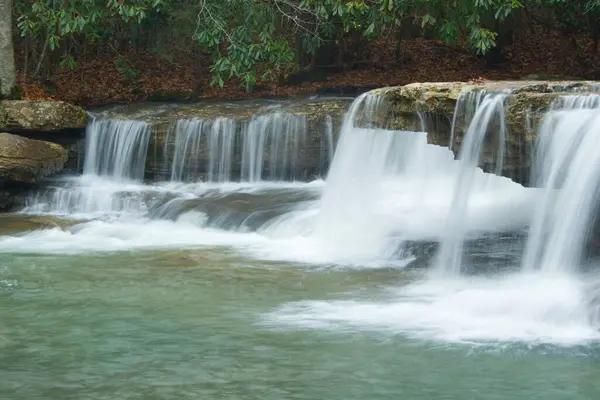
8 77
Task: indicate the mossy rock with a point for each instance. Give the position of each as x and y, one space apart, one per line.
45 116
525 110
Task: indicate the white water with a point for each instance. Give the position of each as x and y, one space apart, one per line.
385 187
187 143
267 147
520 308
220 150
485 110
271 147
117 149
526 307
568 167
327 143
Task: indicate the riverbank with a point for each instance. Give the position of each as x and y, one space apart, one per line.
181 76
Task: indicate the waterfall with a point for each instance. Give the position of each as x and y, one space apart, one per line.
327 146
372 165
203 146
271 147
273 142
113 171
220 149
487 109
187 145
466 106
568 168
117 149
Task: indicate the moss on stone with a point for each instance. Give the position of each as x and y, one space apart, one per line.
525 111
25 115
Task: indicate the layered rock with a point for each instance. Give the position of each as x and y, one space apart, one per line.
433 107
40 116
24 162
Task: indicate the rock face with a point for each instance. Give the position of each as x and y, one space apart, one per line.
432 106
40 116
26 161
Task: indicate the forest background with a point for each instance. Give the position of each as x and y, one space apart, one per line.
95 52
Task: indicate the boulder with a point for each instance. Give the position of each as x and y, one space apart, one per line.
25 160
44 116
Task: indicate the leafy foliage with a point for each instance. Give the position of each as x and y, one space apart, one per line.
254 41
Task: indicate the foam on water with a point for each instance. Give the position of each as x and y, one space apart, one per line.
124 234
486 108
531 308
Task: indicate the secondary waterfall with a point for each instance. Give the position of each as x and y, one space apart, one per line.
271 147
196 136
568 167
117 149
264 148
485 109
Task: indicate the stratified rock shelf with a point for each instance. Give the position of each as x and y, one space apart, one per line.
26 161
40 116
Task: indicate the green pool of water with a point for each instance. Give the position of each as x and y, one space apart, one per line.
198 324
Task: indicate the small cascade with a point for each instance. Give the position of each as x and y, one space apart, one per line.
117 149
327 144
220 149
486 110
568 168
270 150
271 146
466 106
188 133
202 147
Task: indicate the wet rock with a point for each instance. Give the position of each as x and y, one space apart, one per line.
441 97
433 105
11 224
40 116
25 160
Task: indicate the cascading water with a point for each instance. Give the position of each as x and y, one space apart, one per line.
117 149
568 168
270 150
187 144
485 109
220 149
388 186
203 146
115 162
466 106
271 147
387 189
327 146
